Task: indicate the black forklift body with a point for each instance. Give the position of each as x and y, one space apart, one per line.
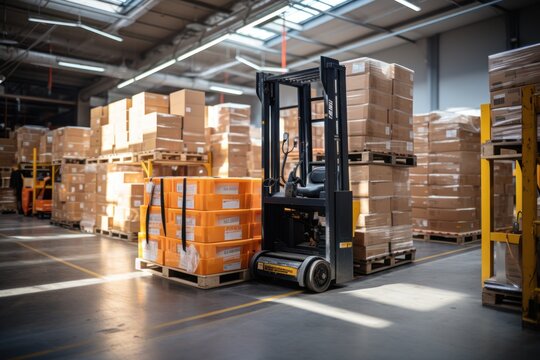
306 219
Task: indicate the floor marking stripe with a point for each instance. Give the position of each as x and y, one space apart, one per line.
447 253
27 227
228 309
67 263
53 350
71 284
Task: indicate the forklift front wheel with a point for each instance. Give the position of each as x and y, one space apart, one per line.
318 276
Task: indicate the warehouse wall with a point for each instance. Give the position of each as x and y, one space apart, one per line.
463 54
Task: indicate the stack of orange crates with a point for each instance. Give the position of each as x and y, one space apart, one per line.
222 223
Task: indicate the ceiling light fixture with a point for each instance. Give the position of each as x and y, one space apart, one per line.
97 4
408 4
226 90
264 18
261 68
203 47
155 70
81 66
125 83
76 24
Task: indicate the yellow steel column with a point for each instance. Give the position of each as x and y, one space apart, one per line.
486 195
34 180
528 247
519 188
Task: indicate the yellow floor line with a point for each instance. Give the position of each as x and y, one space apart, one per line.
67 263
50 351
229 309
446 253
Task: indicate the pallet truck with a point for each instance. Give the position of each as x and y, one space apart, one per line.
307 216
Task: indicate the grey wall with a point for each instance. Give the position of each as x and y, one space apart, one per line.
463 55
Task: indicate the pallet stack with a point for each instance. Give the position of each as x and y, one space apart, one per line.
218 222
190 105
28 138
8 200
45 148
230 139
8 150
379 119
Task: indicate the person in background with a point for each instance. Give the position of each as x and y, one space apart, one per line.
16 182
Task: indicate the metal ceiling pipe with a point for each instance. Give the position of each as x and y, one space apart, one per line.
117 72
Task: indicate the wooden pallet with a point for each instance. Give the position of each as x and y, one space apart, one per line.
384 262
198 281
69 160
171 156
495 149
72 225
503 300
381 158
117 234
447 237
88 229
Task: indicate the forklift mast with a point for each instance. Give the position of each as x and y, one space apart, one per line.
335 201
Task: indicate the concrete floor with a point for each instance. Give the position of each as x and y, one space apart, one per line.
64 294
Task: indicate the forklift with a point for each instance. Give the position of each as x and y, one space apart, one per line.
307 215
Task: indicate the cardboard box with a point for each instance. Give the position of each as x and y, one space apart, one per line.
371 236
372 188
401 203
465 214
359 97
403 89
404 133
401 218
374 205
359 173
366 65
190 105
374 220
368 81
402 104
459 226
401 73
363 142
369 112
366 252
400 118
368 128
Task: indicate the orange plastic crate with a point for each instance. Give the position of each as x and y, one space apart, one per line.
210 234
151 250
210 218
226 250
256 216
256 186
208 266
256 201
209 202
167 186
155 227
255 229
257 243
210 185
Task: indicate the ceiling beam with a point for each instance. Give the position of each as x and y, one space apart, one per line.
205 6
39 99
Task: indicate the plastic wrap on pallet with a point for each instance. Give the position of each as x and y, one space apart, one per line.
71 141
507 265
514 58
28 138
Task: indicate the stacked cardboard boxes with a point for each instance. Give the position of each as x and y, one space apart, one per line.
88 217
28 138
69 195
45 148
230 139
118 197
190 105
99 116
144 104
254 163
71 141
509 71
118 138
8 150
218 223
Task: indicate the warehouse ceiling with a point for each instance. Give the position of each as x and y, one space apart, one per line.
118 40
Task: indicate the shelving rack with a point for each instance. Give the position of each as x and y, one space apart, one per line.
527 184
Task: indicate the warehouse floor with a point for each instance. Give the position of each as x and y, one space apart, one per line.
65 294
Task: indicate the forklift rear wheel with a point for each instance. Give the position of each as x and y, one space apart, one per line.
318 276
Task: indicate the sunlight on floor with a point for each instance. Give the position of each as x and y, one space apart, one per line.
408 296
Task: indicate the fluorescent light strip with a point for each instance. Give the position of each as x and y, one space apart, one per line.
52 22
155 70
125 83
96 4
76 24
265 18
261 68
226 90
203 47
81 66
408 4
102 33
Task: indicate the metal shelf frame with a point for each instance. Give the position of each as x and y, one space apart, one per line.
527 185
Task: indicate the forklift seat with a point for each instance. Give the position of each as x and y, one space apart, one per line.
315 183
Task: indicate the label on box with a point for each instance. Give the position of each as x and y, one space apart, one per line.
229 220
387 130
451 133
154 231
190 235
150 250
231 253
231 267
191 188
188 109
190 220
230 204
1 148
358 68
190 203
26 143
233 233
227 189
137 203
409 146
200 150
154 218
